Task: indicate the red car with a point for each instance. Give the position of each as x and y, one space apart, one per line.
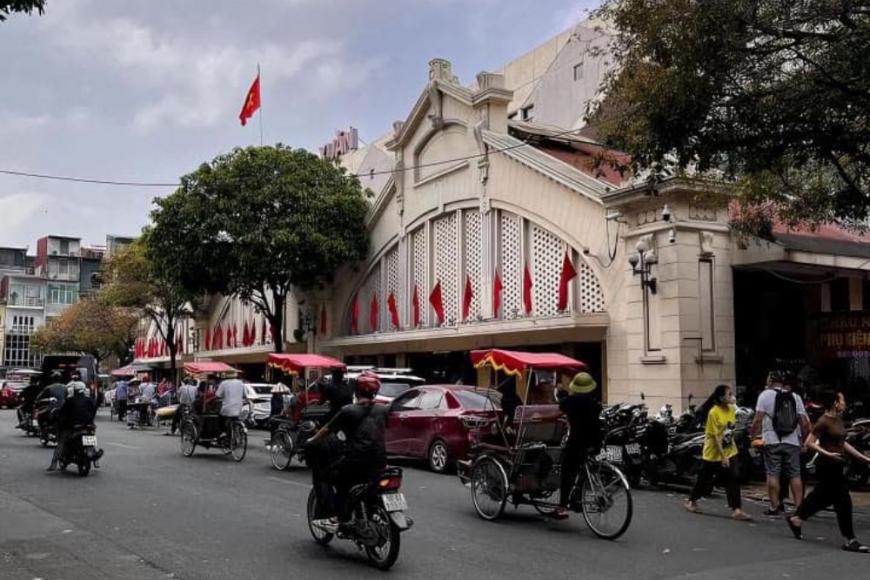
434 422
9 395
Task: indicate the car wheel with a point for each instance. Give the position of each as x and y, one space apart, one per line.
439 457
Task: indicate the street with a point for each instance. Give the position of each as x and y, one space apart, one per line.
150 513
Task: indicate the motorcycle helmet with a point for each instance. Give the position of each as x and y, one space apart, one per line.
367 385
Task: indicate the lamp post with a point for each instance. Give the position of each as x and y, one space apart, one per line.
641 265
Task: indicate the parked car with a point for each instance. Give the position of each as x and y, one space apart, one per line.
9 394
434 422
260 396
394 381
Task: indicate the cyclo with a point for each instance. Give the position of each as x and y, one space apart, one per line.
307 411
202 426
519 460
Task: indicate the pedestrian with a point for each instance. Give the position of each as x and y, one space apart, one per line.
121 388
719 452
828 439
782 422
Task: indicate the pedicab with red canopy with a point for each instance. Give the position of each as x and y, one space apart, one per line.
307 410
518 458
202 426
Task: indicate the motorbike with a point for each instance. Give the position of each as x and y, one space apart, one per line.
670 457
81 449
45 415
378 510
621 442
858 436
27 422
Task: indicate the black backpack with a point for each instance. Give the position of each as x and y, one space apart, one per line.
785 415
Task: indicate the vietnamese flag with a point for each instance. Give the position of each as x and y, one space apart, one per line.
467 297
496 295
246 334
527 290
229 337
217 341
394 310
354 315
437 302
416 303
373 313
252 101
207 340
568 274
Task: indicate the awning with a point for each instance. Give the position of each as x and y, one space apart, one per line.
208 367
515 362
127 371
293 364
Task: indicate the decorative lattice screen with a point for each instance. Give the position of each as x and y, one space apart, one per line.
446 266
591 296
511 264
473 260
391 263
418 277
546 254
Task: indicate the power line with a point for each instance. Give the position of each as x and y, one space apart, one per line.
97 181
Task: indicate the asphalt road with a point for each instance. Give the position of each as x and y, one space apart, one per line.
151 513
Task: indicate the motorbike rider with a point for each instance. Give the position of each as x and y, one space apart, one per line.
337 392
77 409
583 410
364 426
28 398
231 393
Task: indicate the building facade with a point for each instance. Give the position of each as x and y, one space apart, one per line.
58 260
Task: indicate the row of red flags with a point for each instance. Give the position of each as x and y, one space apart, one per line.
155 346
436 299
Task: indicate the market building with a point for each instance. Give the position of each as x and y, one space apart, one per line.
492 226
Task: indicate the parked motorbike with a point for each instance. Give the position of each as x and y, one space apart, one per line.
621 443
81 449
858 436
670 457
378 518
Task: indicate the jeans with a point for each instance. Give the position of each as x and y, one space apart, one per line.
831 489
727 477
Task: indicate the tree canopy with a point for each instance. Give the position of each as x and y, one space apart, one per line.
89 327
772 94
261 222
8 7
141 278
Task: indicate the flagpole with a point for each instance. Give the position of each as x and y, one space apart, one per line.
261 104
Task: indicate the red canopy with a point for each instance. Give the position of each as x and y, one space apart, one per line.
213 367
127 371
293 364
514 362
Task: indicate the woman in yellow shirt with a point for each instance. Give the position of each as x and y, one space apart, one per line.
719 450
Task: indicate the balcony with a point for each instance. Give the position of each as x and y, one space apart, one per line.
26 301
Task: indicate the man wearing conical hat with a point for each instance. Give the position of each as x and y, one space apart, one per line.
582 409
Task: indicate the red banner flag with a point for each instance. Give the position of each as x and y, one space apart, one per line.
323 319
568 274
373 313
207 340
252 101
229 336
354 315
527 290
496 295
437 301
394 310
416 304
467 297
246 334
263 335
217 341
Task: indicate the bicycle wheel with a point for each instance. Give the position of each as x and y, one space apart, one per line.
606 500
489 487
238 442
282 450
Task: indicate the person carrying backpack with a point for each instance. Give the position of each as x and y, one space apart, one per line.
781 419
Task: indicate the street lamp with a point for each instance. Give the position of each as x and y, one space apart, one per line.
641 264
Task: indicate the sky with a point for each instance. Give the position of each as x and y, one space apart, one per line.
146 91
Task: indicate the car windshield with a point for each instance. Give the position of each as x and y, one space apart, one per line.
393 389
262 389
476 400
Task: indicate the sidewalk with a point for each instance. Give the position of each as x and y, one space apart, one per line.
758 492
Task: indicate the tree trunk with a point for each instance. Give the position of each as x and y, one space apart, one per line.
277 321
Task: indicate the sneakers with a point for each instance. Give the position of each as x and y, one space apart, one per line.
854 545
692 506
741 516
328 525
774 512
795 530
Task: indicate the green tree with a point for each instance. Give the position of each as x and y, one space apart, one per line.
89 327
261 222
139 277
772 94
8 7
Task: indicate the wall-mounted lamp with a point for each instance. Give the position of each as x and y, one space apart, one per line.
642 262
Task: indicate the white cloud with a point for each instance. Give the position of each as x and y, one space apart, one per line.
19 211
199 83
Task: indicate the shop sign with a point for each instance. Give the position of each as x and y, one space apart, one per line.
844 335
344 142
